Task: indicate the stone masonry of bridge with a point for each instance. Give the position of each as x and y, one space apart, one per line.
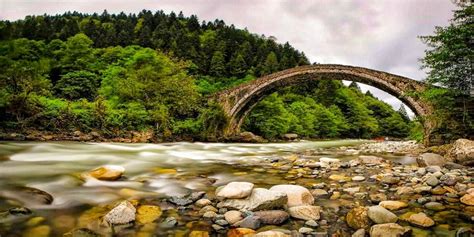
237 102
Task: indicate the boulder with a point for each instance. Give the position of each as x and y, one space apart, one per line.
249 137
462 152
389 230
107 172
305 212
235 190
273 217
380 215
259 199
357 218
121 214
429 159
290 136
297 195
421 219
233 216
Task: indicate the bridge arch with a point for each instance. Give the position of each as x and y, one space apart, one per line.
238 101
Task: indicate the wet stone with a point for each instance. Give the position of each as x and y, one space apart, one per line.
435 206
381 215
272 217
251 222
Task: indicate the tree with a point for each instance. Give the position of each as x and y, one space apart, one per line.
237 65
403 113
271 64
217 67
450 57
77 85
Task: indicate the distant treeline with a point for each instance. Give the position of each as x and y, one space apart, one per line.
153 71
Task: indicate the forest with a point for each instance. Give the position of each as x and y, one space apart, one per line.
116 73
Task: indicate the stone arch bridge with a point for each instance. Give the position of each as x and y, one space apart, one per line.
237 102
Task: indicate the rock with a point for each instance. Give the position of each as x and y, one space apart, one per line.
405 190
209 214
38 231
107 172
121 214
373 160
202 202
329 160
428 159
250 222
389 230
319 193
222 222
421 219
435 206
339 178
390 179
311 223
462 152
233 216
235 190
358 178
433 168
274 217
198 233
207 208
271 233
82 232
297 195
249 137
381 215
290 136
305 230
468 199
305 212
432 181
377 197
217 227
393 205
148 214
170 222
359 233
357 218
259 199
186 199
240 232
28 195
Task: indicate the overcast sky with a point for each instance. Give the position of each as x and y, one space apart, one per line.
377 34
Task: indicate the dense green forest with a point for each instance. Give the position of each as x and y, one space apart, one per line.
153 71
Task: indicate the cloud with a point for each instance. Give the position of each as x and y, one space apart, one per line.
376 34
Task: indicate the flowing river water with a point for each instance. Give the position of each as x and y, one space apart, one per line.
153 173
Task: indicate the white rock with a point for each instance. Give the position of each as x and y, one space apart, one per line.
259 199
305 212
121 214
235 190
297 195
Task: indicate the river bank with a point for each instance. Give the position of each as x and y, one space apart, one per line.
331 188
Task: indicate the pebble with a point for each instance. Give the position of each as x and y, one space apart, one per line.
432 181
233 216
203 202
107 172
297 195
388 230
272 217
393 205
251 222
311 223
305 230
435 206
358 178
209 214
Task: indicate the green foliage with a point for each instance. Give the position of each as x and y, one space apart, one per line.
450 58
76 85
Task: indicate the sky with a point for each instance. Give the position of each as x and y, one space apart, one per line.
377 34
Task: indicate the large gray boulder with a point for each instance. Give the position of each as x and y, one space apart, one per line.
429 159
259 199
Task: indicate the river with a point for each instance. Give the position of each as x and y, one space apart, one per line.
153 173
